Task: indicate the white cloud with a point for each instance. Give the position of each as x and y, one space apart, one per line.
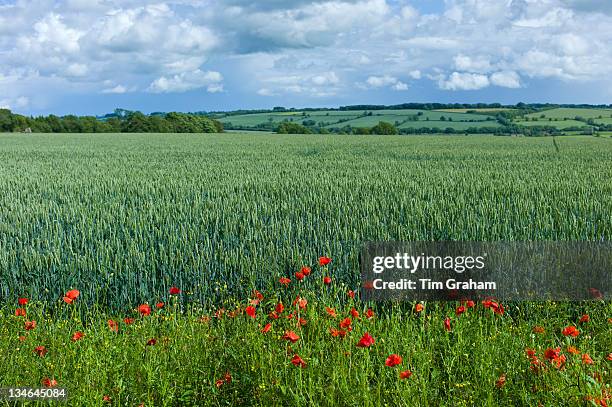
119 89
266 92
20 102
415 74
304 48
327 78
186 81
472 64
380 81
506 79
377 82
400 86
464 81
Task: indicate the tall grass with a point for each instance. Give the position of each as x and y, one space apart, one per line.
123 217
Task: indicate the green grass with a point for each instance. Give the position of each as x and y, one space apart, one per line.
570 113
124 217
338 119
100 211
559 124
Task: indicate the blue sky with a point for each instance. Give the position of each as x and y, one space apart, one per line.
91 56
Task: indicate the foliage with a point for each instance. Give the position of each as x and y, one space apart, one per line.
121 121
384 128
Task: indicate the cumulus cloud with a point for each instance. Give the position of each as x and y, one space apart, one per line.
187 81
506 79
464 81
300 48
374 82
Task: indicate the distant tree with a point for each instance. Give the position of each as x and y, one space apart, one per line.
361 130
384 128
292 128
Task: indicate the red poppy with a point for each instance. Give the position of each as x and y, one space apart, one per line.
354 313
46 382
538 330
586 359
327 280
291 336
489 303
393 360
77 335
345 323
40 351
469 304
71 296
573 350
279 308
530 352
369 313
331 312
447 324
219 382
584 318
405 374
144 309
20 312
160 305
306 270
284 281
299 276
324 261
460 310
151 342
497 308
301 322
112 325
609 357
301 302
22 338
273 315
366 341
337 332
298 361
175 290
250 311
559 362
106 398
23 301
266 328
499 383
351 293
258 295
570 331
227 377
29 325
128 321
551 353
418 308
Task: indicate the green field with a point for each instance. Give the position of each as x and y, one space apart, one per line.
568 113
559 124
123 218
366 118
196 208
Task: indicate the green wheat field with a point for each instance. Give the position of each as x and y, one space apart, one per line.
126 219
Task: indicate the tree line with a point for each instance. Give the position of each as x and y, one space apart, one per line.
125 122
